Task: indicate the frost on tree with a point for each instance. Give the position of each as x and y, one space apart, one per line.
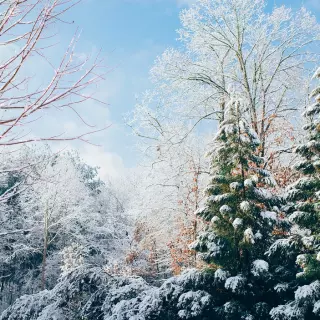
300 253
60 217
93 294
241 215
305 193
225 44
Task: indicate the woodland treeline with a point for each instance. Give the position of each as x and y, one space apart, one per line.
220 220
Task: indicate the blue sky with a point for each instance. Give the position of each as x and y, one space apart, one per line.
130 34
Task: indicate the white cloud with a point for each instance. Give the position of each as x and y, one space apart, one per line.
111 164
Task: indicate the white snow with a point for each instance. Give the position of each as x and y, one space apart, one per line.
215 219
308 241
235 284
221 275
237 223
245 206
259 267
281 287
248 236
235 186
316 308
225 209
258 235
307 293
316 74
201 210
301 259
269 215
248 183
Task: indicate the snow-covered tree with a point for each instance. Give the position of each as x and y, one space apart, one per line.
227 44
300 252
241 213
60 202
169 189
92 294
305 192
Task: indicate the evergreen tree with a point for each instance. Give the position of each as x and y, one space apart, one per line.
242 282
242 218
300 252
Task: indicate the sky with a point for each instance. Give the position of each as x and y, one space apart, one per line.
130 35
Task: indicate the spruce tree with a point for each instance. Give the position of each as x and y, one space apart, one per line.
300 252
306 191
241 217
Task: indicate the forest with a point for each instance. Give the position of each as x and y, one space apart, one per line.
221 218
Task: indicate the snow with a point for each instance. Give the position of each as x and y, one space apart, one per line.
302 232
315 92
249 236
201 210
301 260
258 235
307 294
300 274
316 74
235 284
193 303
308 241
72 257
312 109
219 198
281 287
221 275
263 194
288 311
302 183
245 206
259 267
214 248
316 308
295 215
235 186
281 246
237 223
269 215
215 219
248 183
225 209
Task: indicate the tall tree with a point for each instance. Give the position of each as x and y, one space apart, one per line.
228 44
301 251
241 216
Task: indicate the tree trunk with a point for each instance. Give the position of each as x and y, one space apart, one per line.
45 246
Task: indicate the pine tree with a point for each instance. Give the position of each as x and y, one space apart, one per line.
306 191
301 251
242 219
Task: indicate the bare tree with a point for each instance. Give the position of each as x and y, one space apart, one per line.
26 32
